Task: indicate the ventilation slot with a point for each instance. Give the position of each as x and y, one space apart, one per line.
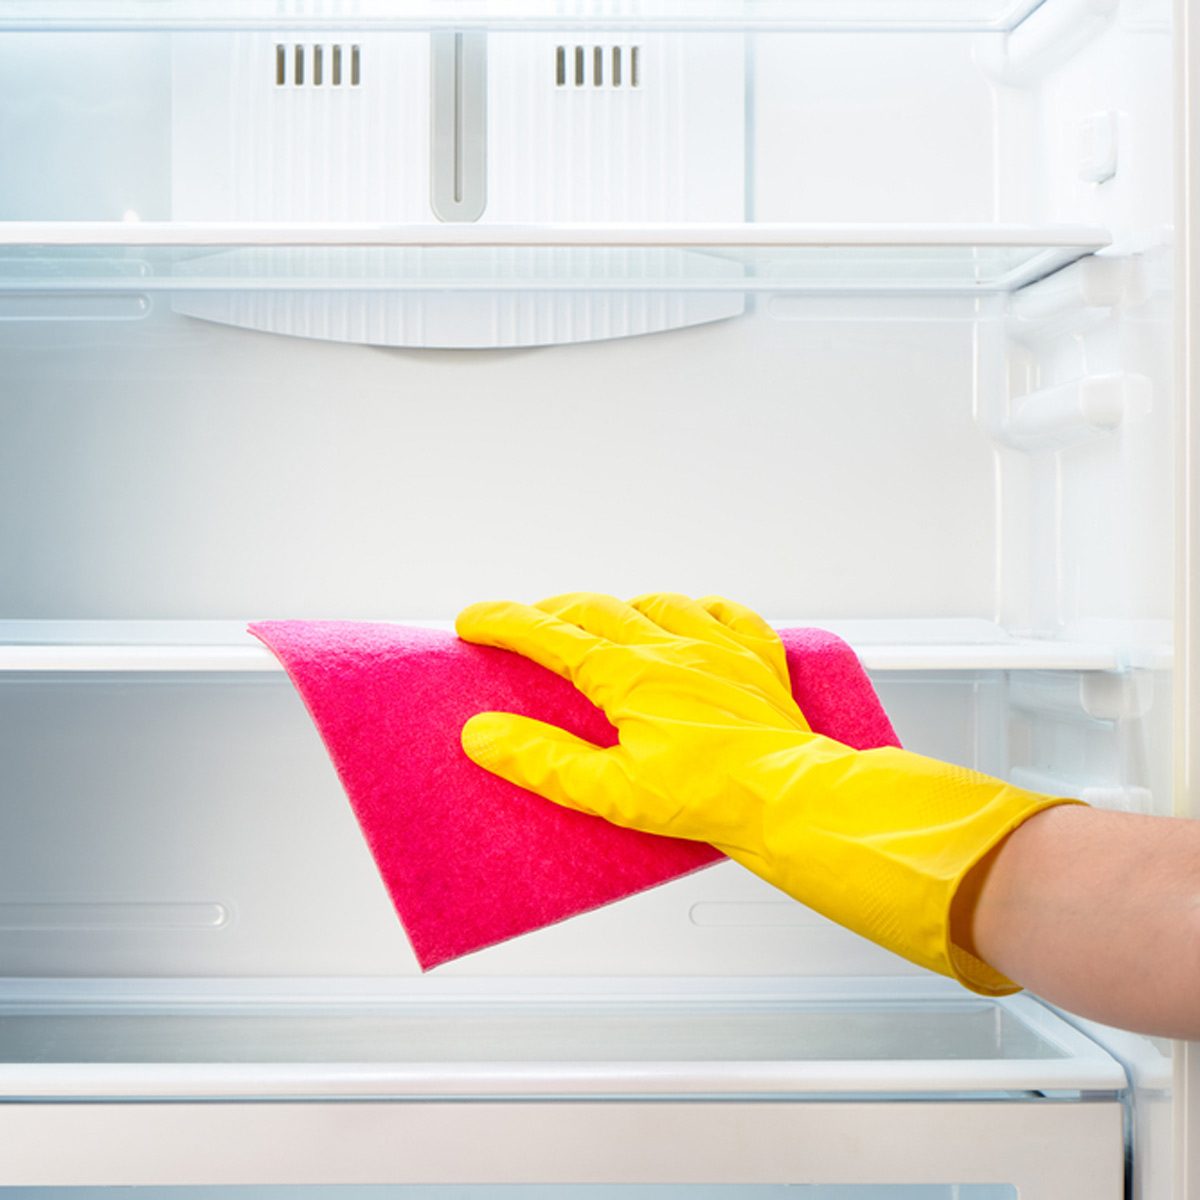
598 66
317 65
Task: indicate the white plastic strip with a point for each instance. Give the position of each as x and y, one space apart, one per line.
300 1080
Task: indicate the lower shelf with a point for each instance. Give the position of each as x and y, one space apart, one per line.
188 1040
638 1089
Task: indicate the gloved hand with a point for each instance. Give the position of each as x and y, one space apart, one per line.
714 748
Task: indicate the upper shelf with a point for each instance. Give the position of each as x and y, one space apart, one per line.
144 257
828 15
221 646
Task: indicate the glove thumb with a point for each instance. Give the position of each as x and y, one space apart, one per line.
544 759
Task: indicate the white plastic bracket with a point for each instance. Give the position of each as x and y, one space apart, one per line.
1091 695
1059 416
1094 282
1050 35
1098 146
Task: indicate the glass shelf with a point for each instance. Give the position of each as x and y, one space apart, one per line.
699 15
292 1038
207 646
79 258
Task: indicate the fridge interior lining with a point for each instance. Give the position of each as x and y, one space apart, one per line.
204 428
197 828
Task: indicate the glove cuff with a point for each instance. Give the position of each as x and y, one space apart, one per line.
881 841
960 963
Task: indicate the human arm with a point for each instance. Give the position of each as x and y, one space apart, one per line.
1096 911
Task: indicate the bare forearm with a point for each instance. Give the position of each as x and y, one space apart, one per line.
1098 912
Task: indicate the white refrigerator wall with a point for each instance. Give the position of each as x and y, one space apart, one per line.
819 457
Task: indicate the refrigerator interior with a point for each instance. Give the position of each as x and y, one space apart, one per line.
858 313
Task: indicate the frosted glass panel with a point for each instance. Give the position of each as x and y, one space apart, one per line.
523 14
532 1032
747 258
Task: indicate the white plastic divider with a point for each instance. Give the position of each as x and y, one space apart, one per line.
225 646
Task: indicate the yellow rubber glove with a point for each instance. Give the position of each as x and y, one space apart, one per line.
714 748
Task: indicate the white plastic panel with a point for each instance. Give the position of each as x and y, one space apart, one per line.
1046 1150
250 144
455 301
844 136
564 127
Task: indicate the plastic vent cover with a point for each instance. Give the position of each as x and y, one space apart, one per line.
654 133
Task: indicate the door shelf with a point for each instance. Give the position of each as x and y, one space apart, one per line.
225 646
516 15
43 259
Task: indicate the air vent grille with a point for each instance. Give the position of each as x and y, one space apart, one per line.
317 65
598 66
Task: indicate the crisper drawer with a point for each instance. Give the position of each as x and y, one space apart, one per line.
555 1082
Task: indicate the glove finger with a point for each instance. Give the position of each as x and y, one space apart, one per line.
605 616
681 615
736 617
555 644
547 760
752 631
688 618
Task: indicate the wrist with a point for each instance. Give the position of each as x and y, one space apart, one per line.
988 915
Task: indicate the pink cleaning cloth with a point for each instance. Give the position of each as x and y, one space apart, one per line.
470 860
